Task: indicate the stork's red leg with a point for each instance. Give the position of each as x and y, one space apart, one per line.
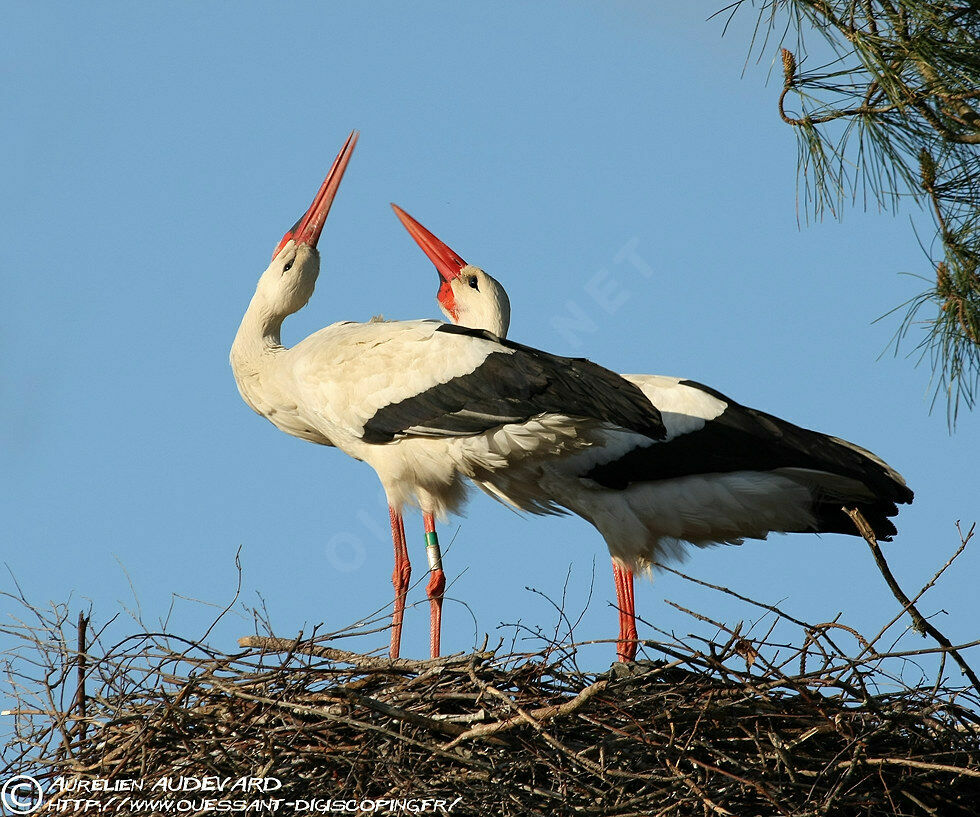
626 646
437 581
400 578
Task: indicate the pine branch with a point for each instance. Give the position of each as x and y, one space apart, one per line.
904 83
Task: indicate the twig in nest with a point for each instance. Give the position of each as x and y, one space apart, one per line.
919 622
538 716
362 661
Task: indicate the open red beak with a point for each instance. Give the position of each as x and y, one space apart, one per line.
447 262
307 230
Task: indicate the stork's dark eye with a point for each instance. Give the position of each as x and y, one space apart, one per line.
472 282
289 266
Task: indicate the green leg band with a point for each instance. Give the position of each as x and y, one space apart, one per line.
432 550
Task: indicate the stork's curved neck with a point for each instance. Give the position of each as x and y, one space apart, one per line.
253 354
259 332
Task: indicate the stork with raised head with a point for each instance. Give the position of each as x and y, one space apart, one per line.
424 403
723 473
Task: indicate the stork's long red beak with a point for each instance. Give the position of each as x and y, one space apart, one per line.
307 230
447 262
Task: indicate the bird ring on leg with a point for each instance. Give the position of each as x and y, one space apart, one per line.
433 551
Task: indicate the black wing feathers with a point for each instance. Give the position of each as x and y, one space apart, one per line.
744 439
512 388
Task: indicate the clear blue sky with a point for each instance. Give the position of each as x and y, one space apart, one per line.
154 154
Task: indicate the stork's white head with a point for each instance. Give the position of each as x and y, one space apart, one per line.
475 298
287 284
468 296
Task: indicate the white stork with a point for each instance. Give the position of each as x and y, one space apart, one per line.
724 472
424 403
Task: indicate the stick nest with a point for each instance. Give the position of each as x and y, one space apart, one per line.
821 722
737 726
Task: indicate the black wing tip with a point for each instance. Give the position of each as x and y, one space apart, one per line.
832 517
888 485
656 430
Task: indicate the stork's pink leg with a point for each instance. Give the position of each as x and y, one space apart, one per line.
626 646
400 578
437 581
